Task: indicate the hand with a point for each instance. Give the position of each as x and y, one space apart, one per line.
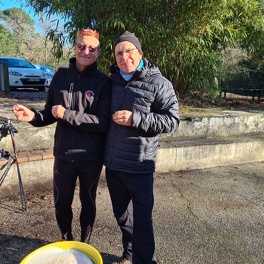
59 67
58 111
22 113
123 117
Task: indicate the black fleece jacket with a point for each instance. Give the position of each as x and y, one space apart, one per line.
80 134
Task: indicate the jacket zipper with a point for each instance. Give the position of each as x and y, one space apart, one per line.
70 95
116 126
72 108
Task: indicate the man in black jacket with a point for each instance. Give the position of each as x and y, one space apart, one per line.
79 101
143 106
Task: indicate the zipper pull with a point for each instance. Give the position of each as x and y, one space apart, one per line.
70 94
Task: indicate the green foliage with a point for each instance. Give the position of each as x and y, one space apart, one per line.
184 38
247 75
18 38
21 27
8 45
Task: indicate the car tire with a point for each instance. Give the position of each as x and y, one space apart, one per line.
42 89
12 88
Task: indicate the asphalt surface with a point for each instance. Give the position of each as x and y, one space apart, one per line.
205 216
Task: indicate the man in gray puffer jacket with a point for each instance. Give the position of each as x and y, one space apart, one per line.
144 105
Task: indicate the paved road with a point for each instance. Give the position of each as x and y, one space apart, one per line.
203 216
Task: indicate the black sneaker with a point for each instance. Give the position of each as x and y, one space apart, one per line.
67 237
123 261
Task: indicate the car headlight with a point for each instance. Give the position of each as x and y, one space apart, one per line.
15 73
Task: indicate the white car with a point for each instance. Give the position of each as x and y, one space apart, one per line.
22 74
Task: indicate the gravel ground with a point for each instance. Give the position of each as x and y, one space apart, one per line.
200 217
27 97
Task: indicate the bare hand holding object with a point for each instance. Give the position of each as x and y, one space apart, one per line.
123 117
23 113
58 111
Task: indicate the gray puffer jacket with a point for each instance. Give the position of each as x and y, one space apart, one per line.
154 105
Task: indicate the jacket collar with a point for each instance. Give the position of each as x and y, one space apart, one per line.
148 69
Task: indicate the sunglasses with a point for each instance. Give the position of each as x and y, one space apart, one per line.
83 48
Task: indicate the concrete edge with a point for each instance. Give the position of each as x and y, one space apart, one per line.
36 166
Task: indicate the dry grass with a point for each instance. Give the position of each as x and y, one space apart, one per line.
203 105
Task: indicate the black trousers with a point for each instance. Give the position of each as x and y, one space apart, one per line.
132 200
65 176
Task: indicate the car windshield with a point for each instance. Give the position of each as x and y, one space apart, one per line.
48 69
18 63
44 68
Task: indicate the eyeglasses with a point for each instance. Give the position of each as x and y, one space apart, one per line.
128 52
83 48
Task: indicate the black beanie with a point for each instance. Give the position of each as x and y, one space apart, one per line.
127 36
